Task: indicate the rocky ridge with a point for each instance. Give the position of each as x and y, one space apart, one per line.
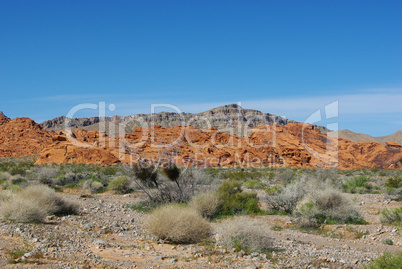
359 137
22 137
295 144
228 118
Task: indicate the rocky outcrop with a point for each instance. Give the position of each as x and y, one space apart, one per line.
3 118
22 137
393 144
229 118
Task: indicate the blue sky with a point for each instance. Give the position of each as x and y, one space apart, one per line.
289 58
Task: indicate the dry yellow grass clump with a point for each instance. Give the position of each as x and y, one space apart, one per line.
34 203
178 224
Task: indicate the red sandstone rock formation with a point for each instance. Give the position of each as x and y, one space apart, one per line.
295 144
22 137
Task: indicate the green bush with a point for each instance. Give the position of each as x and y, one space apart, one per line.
120 184
234 201
393 216
177 224
254 184
18 181
273 189
386 261
357 185
143 206
394 182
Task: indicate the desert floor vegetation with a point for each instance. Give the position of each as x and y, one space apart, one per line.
234 216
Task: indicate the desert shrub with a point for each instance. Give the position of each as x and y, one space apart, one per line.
357 184
18 181
177 224
286 200
245 234
5 196
20 168
46 173
178 191
254 184
19 209
328 205
110 170
207 204
234 201
47 198
5 176
285 175
94 186
143 206
12 188
172 172
121 184
326 175
177 187
394 186
273 190
393 216
146 174
386 261
70 179
200 177
394 182
34 203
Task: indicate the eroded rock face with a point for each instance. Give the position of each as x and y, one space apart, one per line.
295 144
393 144
22 137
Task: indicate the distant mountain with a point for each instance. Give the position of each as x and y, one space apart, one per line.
358 137
224 118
